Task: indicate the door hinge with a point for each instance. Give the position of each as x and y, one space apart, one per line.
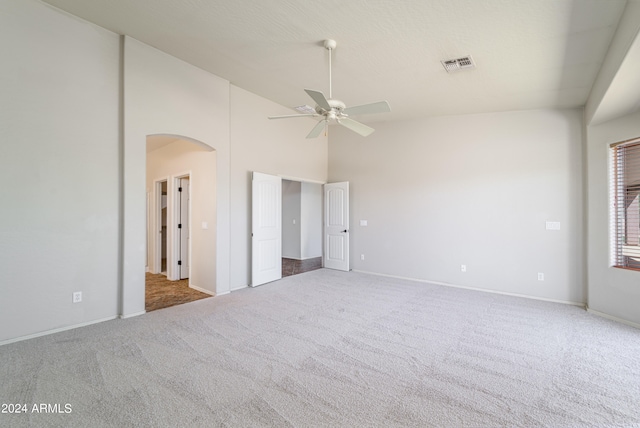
179 262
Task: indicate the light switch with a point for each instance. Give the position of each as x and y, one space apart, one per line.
205 225
363 222
553 225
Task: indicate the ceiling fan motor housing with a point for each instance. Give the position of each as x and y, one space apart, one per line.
336 109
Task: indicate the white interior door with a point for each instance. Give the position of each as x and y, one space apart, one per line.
336 226
266 232
160 224
183 228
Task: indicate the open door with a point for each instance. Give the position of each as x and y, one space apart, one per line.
159 264
336 226
266 232
184 230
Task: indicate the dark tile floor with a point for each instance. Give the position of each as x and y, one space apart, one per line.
294 267
161 293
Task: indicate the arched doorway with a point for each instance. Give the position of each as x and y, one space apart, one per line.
181 221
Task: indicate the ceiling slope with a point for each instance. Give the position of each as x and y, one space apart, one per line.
528 54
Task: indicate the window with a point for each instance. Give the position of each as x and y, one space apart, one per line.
625 204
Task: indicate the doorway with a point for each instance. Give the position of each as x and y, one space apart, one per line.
301 226
272 217
181 178
173 226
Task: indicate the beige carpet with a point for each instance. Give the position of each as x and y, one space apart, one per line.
334 349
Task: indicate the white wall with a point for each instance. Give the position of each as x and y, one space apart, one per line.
612 291
475 190
175 160
291 220
311 215
163 95
276 147
59 169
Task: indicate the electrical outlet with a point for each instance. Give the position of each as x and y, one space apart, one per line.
77 296
361 256
540 276
463 268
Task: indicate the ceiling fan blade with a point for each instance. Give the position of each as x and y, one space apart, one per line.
319 98
287 116
379 107
357 127
317 130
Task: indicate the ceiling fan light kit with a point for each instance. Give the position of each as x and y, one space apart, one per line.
334 110
304 109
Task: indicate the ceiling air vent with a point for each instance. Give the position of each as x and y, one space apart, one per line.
452 65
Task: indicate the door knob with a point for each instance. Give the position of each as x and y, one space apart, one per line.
344 231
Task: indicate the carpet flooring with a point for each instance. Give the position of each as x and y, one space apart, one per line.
333 349
161 293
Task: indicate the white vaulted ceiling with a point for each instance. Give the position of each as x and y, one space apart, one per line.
529 53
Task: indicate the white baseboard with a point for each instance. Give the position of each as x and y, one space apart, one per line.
55 330
612 318
124 317
202 290
223 293
239 288
485 290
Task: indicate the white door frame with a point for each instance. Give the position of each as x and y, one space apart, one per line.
149 212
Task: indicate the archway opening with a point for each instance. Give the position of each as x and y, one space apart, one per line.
181 221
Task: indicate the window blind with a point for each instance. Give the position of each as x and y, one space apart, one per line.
625 206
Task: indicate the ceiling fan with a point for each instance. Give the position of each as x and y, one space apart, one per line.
335 110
